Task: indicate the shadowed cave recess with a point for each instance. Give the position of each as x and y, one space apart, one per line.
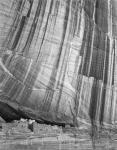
58 61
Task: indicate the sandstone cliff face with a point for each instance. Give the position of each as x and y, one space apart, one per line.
58 59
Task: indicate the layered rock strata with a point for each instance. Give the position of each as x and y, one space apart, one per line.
58 60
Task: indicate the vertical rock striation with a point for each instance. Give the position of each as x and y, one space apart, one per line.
58 60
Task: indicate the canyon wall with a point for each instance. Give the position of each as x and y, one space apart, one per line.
58 59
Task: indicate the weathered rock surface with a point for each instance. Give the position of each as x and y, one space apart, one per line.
58 60
1 120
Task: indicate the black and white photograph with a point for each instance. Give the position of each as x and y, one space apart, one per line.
58 74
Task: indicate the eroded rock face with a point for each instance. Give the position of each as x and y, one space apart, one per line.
58 60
